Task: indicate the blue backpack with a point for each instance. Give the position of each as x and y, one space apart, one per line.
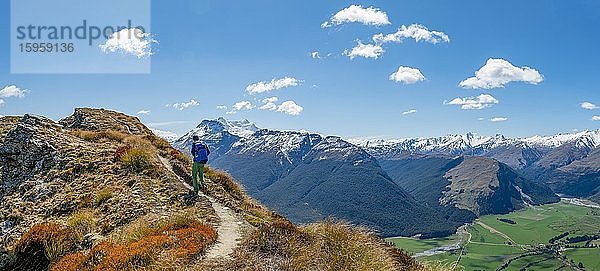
200 152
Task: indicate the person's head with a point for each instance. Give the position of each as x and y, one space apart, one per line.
195 138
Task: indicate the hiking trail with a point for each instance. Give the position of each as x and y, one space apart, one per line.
230 226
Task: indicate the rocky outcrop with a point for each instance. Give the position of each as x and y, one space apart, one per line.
103 120
25 152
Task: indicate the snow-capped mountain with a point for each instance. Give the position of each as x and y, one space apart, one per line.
474 144
567 162
218 134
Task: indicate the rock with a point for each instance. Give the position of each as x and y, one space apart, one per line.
25 153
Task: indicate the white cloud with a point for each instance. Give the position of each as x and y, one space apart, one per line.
315 55
412 111
290 108
2 102
498 119
13 91
588 106
414 31
132 41
480 119
184 105
243 105
407 75
143 112
499 72
358 14
480 102
269 104
596 118
221 107
365 50
275 84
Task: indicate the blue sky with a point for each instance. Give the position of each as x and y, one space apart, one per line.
211 51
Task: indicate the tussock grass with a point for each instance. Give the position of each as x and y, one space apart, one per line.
226 181
42 244
96 136
103 196
81 223
329 245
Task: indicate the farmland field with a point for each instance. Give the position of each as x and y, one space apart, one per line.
521 240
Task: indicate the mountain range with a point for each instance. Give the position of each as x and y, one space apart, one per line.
389 184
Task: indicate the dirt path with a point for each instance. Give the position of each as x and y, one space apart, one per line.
230 226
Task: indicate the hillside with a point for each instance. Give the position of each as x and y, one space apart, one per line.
465 187
308 177
98 191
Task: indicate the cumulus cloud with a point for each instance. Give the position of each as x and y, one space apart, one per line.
184 105
274 84
588 106
412 111
290 108
414 31
269 104
358 14
243 105
480 102
315 55
498 119
221 107
365 50
499 72
130 41
13 91
143 112
407 75
596 118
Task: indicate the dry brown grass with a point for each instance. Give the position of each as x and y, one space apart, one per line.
329 245
96 136
166 246
226 181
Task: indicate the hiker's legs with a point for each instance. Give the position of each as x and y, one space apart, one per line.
195 170
201 173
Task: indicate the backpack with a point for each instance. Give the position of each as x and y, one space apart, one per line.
201 153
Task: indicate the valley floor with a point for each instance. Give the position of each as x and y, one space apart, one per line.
520 241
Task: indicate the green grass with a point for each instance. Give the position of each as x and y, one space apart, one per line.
413 245
535 262
535 225
539 224
590 257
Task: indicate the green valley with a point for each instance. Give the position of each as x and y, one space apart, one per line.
560 236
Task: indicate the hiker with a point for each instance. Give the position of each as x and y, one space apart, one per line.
200 153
